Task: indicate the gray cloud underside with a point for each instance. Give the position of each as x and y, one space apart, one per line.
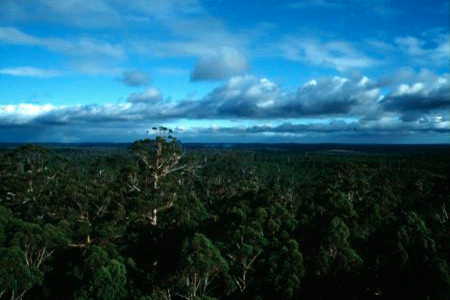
337 131
408 108
135 78
355 127
248 97
416 100
225 64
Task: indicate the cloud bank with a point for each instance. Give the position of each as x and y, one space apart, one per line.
345 107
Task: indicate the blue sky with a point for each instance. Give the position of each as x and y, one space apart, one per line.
343 71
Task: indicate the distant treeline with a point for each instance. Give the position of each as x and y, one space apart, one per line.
399 149
159 220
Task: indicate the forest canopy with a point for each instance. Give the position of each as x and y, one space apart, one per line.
161 221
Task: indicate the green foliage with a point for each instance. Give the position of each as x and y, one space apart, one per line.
24 251
156 221
201 264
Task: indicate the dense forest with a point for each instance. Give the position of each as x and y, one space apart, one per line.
159 221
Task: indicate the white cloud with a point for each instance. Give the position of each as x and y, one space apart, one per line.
23 113
25 109
14 36
86 14
433 48
191 32
150 96
410 108
413 46
334 54
97 13
30 72
218 57
81 47
87 55
338 96
195 33
419 99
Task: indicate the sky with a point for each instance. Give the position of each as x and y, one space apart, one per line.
300 71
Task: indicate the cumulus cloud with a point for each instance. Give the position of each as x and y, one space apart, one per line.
135 78
249 97
22 114
408 75
87 114
337 96
339 55
336 105
241 97
260 98
30 72
413 101
225 63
